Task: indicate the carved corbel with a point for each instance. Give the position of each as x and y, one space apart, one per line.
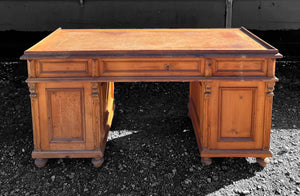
32 90
95 89
207 89
270 88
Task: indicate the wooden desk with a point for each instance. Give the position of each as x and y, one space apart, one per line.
71 75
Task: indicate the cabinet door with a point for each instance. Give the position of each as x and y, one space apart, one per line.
65 116
237 115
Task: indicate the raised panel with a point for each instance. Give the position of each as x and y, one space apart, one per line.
236 116
151 67
64 68
65 114
240 67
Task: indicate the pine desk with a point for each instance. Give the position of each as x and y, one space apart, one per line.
71 75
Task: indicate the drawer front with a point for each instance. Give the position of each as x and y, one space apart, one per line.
151 67
64 68
239 67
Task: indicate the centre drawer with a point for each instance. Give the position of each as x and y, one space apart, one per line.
151 67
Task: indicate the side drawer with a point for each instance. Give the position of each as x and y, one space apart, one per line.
151 67
239 67
64 68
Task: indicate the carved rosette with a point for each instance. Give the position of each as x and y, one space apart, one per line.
32 90
207 89
270 88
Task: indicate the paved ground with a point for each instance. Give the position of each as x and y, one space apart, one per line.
151 149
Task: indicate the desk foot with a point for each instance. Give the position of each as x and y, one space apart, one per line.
206 161
40 162
97 162
262 161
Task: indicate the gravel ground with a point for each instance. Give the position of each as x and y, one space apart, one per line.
152 148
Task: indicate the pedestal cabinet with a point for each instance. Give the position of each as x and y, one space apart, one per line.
231 118
71 75
71 119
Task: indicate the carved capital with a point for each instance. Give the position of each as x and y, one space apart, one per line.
32 90
270 88
95 89
207 89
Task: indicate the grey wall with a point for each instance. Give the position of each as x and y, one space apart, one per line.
47 15
267 14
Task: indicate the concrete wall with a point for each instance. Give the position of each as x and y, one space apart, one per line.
266 14
47 15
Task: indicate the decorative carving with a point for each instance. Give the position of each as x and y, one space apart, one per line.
31 69
94 70
270 88
32 90
208 67
95 89
207 89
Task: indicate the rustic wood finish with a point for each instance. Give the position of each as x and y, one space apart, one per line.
71 75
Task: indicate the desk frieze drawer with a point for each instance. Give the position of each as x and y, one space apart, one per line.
151 67
239 67
64 68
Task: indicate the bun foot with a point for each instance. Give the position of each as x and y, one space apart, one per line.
97 162
262 161
40 162
206 161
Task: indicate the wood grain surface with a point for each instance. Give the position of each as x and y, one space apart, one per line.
107 42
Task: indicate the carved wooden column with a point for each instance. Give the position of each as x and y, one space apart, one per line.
97 128
206 119
35 123
263 161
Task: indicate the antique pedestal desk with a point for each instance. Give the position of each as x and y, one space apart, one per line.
71 75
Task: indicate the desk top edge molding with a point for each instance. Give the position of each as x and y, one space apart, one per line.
259 47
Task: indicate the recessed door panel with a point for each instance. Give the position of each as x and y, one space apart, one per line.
237 112
236 121
65 114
